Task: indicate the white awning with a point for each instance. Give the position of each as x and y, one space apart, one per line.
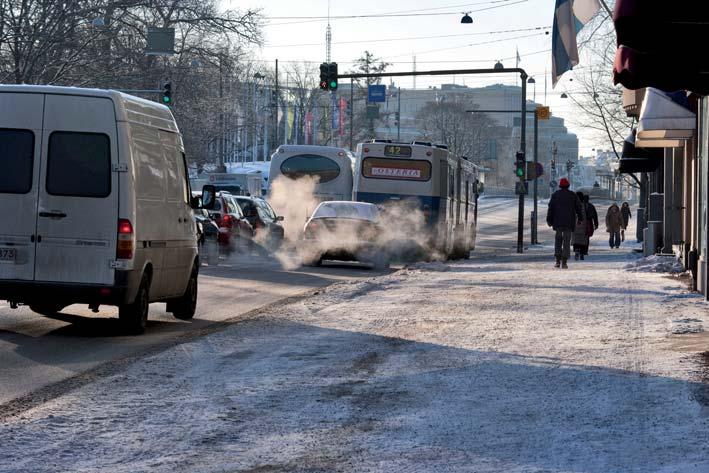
663 122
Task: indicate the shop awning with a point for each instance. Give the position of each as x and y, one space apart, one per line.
658 44
663 122
639 159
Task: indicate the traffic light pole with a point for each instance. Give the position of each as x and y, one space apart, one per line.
451 72
523 149
533 234
535 241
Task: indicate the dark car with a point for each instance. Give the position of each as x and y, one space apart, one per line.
345 231
267 230
234 228
207 237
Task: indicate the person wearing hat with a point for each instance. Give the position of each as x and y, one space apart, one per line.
564 212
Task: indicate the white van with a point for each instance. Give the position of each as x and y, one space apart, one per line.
95 204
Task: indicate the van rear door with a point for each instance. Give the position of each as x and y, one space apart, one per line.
20 145
77 217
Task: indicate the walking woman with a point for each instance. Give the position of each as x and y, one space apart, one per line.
614 223
625 212
581 238
584 230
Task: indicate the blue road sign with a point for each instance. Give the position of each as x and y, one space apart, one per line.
376 93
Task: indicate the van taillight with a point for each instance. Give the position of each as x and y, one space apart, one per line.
124 249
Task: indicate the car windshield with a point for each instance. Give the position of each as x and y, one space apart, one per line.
357 210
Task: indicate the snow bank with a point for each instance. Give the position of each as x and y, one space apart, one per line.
656 264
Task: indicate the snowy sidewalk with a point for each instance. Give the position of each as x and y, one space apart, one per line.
497 364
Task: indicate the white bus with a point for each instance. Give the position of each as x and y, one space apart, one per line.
443 186
333 167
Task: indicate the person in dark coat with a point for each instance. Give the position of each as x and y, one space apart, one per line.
614 223
625 213
584 230
563 214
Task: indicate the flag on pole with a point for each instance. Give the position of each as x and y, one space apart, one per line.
569 17
519 59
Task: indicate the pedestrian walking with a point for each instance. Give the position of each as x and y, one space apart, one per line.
625 212
614 224
563 214
584 229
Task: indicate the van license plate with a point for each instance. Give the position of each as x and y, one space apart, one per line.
8 255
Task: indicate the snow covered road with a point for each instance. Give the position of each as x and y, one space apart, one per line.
497 364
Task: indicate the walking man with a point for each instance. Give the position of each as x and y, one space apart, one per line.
563 214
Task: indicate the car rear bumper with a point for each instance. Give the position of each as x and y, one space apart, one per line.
35 292
356 252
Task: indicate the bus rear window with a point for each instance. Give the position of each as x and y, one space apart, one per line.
310 165
396 169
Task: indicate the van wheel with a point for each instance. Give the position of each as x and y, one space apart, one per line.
46 308
134 317
184 307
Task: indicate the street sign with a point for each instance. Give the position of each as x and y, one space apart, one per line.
376 93
534 170
543 113
521 188
372 112
161 42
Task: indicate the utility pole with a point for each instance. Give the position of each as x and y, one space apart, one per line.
275 108
536 179
352 147
398 114
222 131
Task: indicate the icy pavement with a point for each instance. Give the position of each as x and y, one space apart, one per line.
497 364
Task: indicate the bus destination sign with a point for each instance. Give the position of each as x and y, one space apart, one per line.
397 150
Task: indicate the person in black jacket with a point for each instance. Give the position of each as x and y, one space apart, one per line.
563 214
625 213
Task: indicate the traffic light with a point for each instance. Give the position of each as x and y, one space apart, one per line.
324 71
520 165
396 118
167 93
332 76
328 76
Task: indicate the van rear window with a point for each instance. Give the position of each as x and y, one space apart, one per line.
79 164
16 161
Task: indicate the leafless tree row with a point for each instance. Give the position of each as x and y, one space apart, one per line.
101 43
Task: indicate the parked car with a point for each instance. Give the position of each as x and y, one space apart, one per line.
265 224
344 231
99 214
235 231
207 237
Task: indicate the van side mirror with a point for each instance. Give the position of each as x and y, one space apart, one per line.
280 218
195 203
208 194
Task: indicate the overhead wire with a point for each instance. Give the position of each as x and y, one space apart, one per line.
409 38
305 19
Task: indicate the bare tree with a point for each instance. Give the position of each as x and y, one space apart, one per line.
447 121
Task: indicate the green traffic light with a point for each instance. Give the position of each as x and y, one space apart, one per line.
333 84
166 99
520 172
